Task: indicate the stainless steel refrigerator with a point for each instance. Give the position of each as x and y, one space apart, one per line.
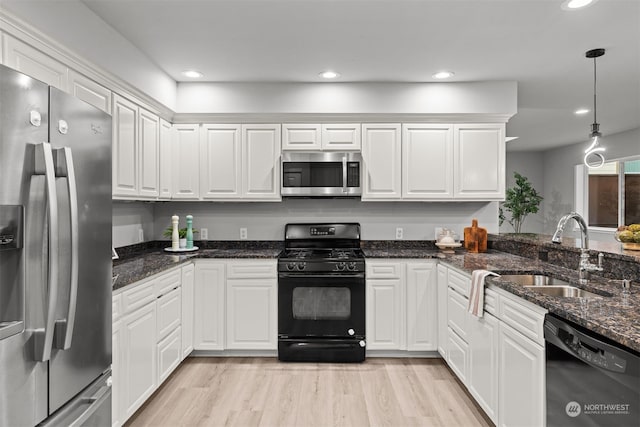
55 257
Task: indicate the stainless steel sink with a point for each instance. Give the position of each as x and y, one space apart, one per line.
533 280
563 291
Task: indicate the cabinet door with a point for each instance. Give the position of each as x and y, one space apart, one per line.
148 141
422 306
382 161
457 355
344 136
457 316
442 309
169 313
125 147
116 374
166 153
169 355
188 282
385 315
427 161
252 318
209 305
521 380
261 162
301 137
186 162
89 91
220 162
30 61
139 358
482 379
479 161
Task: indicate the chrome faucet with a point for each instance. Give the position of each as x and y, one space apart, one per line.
585 268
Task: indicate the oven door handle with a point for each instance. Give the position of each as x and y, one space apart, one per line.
321 276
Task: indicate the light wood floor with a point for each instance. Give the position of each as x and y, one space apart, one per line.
265 392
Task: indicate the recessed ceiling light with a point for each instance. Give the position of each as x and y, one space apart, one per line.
576 4
192 74
581 111
329 75
443 75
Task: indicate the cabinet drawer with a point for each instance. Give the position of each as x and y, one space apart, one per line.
169 313
167 282
383 270
459 282
252 269
457 355
169 351
522 318
490 301
116 307
457 312
138 296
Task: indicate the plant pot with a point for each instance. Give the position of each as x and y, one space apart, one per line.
182 243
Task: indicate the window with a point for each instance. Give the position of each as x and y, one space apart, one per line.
612 194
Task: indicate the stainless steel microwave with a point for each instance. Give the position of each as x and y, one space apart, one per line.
321 174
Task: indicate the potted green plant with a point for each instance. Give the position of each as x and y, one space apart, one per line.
520 201
182 235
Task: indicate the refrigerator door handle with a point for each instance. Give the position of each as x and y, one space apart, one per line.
65 168
43 337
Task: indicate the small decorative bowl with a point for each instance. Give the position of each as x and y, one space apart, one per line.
628 239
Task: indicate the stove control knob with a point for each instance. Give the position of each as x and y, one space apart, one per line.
341 266
302 265
351 266
362 343
291 266
351 332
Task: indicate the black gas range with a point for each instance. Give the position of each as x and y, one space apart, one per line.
321 294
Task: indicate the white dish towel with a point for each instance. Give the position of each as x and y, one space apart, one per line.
476 294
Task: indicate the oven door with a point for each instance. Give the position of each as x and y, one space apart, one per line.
321 306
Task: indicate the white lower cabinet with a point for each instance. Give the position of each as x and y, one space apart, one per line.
521 380
169 355
443 277
188 281
482 380
209 312
252 316
457 355
116 374
401 305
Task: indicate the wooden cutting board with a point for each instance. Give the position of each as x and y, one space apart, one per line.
475 238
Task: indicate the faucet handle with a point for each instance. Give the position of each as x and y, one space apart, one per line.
600 259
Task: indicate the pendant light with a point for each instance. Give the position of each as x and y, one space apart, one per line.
594 151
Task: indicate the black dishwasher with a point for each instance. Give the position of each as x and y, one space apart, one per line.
591 381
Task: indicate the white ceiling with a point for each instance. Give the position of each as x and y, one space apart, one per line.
536 43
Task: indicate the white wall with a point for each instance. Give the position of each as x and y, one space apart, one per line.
265 221
559 165
529 164
75 26
345 98
128 219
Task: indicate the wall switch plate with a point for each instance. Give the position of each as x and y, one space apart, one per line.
243 233
204 234
140 235
399 233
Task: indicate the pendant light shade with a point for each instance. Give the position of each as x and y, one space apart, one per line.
593 157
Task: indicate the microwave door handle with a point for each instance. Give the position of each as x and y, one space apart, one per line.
64 327
43 338
344 174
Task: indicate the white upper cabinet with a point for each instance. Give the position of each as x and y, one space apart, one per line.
125 147
301 137
185 167
32 62
89 91
427 161
479 159
341 137
166 154
315 137
261 149
149 154
381 152
220 161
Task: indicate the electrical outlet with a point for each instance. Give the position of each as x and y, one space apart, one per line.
399 233
243 233
140 235
204 234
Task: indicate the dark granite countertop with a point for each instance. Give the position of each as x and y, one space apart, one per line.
615 315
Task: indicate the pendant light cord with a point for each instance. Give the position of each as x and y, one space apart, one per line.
595 79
